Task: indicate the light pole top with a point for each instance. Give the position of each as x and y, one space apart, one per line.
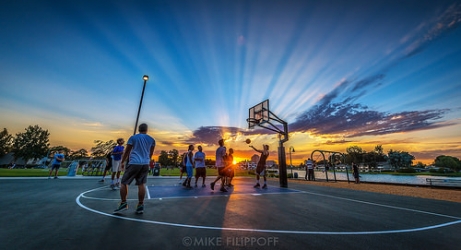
145 77
292 149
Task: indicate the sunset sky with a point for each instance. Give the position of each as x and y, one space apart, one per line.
340 73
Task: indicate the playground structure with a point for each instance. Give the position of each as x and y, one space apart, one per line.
89 168
329 163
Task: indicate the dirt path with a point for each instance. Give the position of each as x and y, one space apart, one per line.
414 191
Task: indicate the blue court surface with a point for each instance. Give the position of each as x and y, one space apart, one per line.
243 188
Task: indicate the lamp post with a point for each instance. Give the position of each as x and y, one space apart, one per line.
291 165
145 78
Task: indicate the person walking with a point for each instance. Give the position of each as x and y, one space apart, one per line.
189 162
230 168
56 164
139 151
261 167
310 170
200 167
182 167
108 165
220 165
116 162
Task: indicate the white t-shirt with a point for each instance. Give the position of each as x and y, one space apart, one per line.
142 143
220 153
309 164
199 159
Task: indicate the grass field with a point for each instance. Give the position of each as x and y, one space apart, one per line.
4 172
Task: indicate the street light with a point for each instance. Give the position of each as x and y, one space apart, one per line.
291 166
145 78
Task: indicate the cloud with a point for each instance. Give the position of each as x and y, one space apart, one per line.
449 20
354 120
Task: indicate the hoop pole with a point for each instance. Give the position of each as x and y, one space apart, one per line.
283 166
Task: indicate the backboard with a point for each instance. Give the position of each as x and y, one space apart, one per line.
258 114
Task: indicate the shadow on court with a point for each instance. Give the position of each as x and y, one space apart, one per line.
76 213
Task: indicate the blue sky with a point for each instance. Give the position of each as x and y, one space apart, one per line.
340 73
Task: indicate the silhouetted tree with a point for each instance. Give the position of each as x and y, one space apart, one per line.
6 142
443 161
400 159
102 148
32 144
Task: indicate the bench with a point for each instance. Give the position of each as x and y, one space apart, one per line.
444 182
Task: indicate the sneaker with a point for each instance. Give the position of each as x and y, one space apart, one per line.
56 177
140 209
212 185
257 185
222 189
264 186
112 186
180 181
203 185
117 184
102 181
195 185
122 207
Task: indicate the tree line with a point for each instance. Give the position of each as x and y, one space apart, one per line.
34 144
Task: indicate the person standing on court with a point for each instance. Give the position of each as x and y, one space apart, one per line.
56 164
189 166
200 167
261 167
117 153
310 170
139 151
220 165
108 165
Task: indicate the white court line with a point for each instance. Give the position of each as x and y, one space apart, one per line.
289 231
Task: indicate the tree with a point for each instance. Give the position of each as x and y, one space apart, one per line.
169 158
66 151
81 153
420 165
354 154
379 150
6 142
102 148
163 158
400 159
32 144
443 161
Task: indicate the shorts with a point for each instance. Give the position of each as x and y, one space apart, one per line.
55 166
116 166
261 170
135 172
108 166
200 172
230 172
190 171
222 171
182 169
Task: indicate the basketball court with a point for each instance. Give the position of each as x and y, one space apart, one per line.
76 213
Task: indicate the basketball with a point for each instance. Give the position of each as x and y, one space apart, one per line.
248 141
